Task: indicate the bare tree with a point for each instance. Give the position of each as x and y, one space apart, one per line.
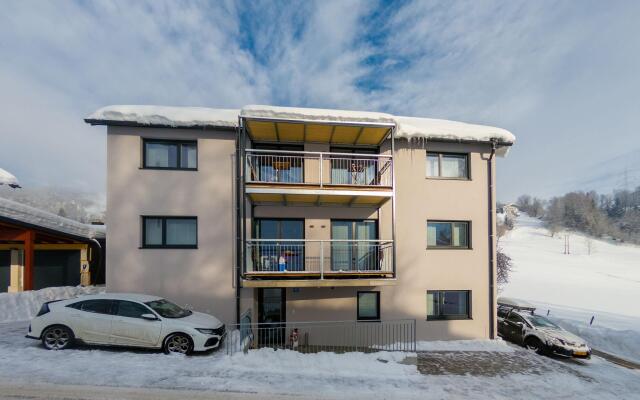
504 267
589 245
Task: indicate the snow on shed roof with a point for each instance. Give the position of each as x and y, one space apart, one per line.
7 178
32 216
516 303
177 117
407 127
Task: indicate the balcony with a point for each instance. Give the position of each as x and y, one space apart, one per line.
293 259
280 176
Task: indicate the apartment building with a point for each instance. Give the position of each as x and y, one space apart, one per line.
293 214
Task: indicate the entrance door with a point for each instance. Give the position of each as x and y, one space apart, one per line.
355 249
272 317
275 255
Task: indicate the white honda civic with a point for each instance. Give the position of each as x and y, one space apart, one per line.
119 319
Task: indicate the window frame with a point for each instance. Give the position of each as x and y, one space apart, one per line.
440 154
78 306
164 245
456 317
450 221
368 319
177 142
116 308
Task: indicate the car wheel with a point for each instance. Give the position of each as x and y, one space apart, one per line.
178 343
535 344
57 337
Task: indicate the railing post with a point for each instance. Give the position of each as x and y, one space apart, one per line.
321 168
322 260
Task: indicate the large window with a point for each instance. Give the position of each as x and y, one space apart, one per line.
448 165
170 154
169 232
448 304
448 234
368 306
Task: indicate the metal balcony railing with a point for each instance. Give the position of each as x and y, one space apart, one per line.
318 258
319 168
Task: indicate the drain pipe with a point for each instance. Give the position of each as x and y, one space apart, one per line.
239 218
492 309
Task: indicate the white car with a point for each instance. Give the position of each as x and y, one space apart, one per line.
119 319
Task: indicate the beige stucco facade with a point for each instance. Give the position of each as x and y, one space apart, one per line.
205 277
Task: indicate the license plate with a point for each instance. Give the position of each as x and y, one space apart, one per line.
579 353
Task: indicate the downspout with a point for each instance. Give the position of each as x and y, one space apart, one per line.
238 222
491 243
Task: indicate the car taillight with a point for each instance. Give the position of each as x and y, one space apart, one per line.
43 310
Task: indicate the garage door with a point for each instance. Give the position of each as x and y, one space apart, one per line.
5 270
56 268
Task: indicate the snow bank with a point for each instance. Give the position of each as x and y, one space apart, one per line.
177 117
33 216
23 306
7 178
497 346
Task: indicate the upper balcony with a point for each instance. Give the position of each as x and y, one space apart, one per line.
280 176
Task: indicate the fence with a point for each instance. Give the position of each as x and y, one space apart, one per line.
333 336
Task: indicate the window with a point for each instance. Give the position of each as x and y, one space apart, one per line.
445 234
448 165
93 306
368 306
131 309
170 154
515 318
170 232
448 304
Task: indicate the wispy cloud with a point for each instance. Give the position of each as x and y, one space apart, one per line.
561 76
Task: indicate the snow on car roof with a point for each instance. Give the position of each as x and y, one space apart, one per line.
143 298
515 303
22 213
407 127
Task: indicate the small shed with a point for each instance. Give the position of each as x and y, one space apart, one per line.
39 249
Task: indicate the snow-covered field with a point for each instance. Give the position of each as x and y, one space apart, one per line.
322 375
575 287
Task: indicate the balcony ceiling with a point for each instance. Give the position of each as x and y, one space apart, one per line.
316 197
337 134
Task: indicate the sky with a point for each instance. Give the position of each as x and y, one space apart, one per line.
563 76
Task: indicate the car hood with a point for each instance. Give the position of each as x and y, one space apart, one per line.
566 336
199 320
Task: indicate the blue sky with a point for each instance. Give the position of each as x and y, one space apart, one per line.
561 75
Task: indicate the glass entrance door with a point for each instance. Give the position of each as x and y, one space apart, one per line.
352 251
277 255
272 317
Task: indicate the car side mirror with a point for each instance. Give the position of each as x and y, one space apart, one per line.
149 317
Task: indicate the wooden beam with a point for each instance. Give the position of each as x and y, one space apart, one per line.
28 259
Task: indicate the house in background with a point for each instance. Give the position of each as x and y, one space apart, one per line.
292 214
39 249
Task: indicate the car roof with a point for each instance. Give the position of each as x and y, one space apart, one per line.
143 298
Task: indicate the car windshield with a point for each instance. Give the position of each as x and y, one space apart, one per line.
167 309
541 322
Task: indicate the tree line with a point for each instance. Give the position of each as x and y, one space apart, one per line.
615 215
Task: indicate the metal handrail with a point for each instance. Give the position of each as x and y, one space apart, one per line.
321 240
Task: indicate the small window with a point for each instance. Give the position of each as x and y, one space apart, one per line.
169 232
170 154
448 304
368 306
448 165
94 306
515 318
448 234
131 309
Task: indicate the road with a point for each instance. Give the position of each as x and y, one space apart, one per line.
37 391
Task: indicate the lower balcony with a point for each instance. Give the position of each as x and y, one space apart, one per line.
294 262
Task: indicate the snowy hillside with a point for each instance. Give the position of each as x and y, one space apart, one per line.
606 280
574 287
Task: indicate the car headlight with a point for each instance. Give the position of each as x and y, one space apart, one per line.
556 341
205 331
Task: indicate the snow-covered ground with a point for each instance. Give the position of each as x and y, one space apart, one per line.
322 375
575 287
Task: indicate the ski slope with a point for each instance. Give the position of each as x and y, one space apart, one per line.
607 280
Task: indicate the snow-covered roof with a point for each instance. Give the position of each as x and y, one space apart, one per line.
515 303
316 114
177 117
407 127
7 178
32 216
